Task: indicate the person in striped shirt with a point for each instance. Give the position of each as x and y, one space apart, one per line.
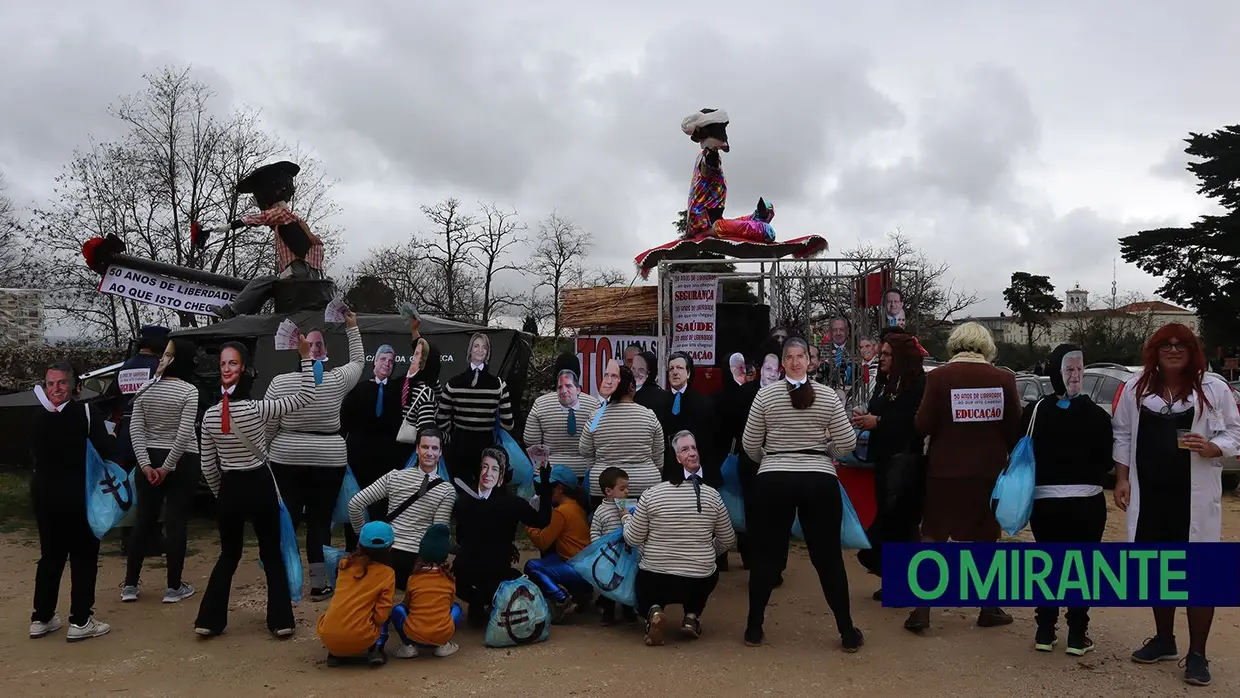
421 389
417 499
795 428
624 434
681 527
468 407
614 483
165 443
558 419
309 456
235 467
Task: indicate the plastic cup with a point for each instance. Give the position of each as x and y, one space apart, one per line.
1179 437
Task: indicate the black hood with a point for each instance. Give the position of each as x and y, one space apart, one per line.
1054 364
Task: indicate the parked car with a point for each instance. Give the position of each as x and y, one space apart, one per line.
1104 383
1033 387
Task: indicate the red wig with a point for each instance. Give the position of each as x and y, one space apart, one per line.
1151 381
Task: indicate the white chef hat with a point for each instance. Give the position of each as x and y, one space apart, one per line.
705 117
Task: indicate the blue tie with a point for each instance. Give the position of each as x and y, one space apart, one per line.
379 402
572 422
676 404
318 373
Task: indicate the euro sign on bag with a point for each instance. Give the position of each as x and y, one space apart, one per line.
109 492
610 565
852 533
348 489
1012 497
331 560
290 553
519 615
733 498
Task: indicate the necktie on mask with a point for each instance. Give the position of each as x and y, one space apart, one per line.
426 484
318 373
225 417
697 489
676 404
572 421
379 402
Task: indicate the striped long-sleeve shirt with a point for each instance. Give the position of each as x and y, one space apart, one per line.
606 519
421 410
628 436
674 536
434 506
311 435
165 416
466 408
547 424
783 438
224 452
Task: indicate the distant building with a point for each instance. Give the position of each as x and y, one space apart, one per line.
21 316
1154 314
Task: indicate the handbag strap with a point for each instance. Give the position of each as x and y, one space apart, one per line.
391 516
1034 417
259 455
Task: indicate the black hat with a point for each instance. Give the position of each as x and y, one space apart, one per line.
568 361
153 332
267 175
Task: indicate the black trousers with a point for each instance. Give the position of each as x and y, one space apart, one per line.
64 536
367 473
897 498
177 491
780 498
1068 520
655 589
247 496
477 589
746 471
310 493
403 562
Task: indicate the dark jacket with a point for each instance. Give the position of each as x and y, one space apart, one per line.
370 439
58 445
896 431
1072 445
487 528
959 446
698 415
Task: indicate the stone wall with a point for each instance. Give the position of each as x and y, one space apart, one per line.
21 317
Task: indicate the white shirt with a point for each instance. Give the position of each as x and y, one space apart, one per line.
476 367
697 473
380 382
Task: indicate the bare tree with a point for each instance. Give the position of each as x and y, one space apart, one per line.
929 294
599 276
11 247
499 232
412 276
449 249
560 247
179 162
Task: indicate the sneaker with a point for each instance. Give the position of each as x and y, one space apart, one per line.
691 627
753 636
332 660
559 609
38 629
654 626
284 633
447 649
853 641
322 594
1079 645
1196 669
206 632
406 651
993 617
129 593
91 628
179 594
918 620
1156 649
375 656
1045 639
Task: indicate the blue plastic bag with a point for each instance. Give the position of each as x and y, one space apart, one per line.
1012 497
519 615
730 492
109 492
610 565
852 533
348 489
442 470
518 461
331 560
292 556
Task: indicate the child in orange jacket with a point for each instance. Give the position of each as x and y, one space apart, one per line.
356 620
429 616
566 535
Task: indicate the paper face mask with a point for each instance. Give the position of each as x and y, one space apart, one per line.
770 370
1072 368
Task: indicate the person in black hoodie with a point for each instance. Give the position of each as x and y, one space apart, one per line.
486 530
1072 444
649 393
59 435
895 447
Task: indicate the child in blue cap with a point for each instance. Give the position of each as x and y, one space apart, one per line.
356 620
566 535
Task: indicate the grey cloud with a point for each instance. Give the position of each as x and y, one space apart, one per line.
1174 165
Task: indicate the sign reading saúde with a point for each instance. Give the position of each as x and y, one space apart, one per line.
694 297
164 291
596 350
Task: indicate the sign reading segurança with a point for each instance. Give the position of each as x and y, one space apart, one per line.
164 291
693 315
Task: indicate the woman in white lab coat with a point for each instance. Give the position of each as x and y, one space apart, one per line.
1173 426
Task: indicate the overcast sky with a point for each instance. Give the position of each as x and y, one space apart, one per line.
999 136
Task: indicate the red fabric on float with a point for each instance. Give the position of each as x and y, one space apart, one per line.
859 484
690 248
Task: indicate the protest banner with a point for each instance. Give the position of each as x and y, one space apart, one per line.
595 351
164 291
694 301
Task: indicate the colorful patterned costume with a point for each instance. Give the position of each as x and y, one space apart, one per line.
755 227
708 193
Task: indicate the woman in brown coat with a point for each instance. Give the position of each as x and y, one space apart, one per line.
971 413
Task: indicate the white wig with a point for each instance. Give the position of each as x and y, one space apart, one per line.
972 337
700 119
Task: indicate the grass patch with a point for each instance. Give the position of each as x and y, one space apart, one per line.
16 511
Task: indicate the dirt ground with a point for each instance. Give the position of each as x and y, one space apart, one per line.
152 651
